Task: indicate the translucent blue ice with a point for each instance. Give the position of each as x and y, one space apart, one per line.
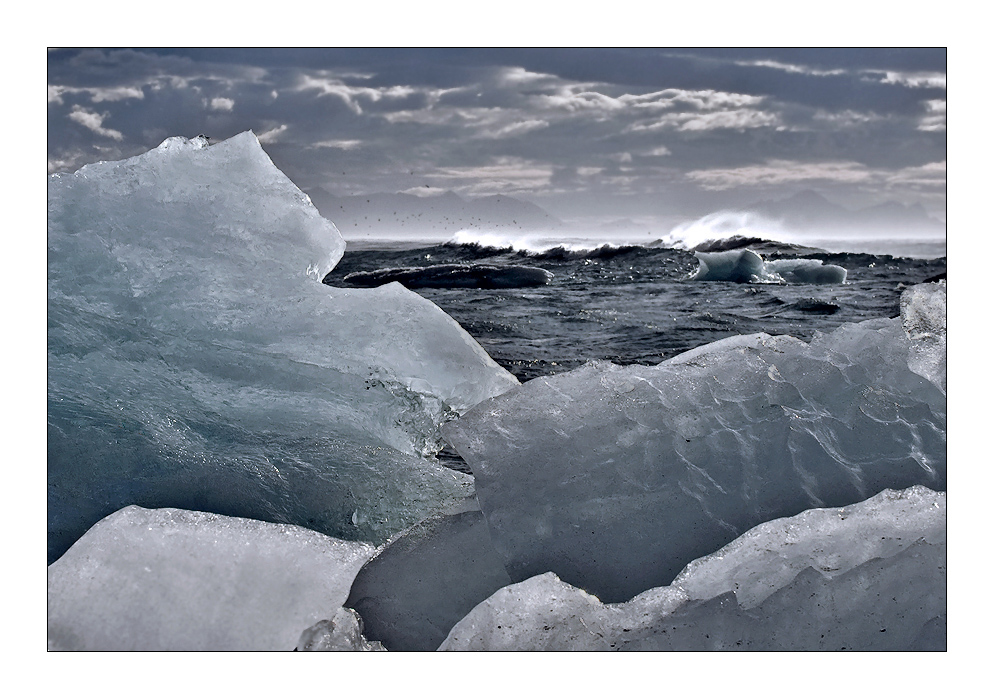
195 360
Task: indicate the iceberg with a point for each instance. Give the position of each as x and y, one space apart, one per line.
748 266
171 579
196 361
426 579
870 576
614 478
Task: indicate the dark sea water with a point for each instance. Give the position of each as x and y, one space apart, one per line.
634 304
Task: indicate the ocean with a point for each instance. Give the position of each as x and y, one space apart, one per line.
631 304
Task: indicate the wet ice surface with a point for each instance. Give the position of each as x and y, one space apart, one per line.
426 580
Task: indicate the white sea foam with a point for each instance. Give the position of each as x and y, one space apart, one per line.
725 224
529 242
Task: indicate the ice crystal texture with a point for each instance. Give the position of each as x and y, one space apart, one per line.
171 579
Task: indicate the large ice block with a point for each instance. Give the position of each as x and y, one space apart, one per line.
870 576
614 478
173 579
425 580
195 359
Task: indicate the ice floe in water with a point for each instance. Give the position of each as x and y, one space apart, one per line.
614 478
748 266
172 579
195 360
869 576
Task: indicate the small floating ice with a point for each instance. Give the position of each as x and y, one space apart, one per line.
748 266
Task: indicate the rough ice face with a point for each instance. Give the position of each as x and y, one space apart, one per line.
616 477
831 540
173 579
343 632
747 266
427 579
865 577
196 360
923 312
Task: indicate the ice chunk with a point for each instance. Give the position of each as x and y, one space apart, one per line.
865 577
195 359
729 266
747 266
343 632
173 579
804 271
426 580
614 478
923 309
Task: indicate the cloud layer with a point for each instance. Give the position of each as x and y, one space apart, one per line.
617 132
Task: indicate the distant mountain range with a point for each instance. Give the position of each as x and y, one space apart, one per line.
447 212
810 211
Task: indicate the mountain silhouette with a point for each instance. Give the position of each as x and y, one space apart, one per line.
809 210
443 213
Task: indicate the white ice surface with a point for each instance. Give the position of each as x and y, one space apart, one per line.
171 579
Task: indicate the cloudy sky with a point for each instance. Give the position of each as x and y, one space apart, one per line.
610 132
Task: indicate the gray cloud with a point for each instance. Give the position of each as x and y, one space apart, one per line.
94 122
653 130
